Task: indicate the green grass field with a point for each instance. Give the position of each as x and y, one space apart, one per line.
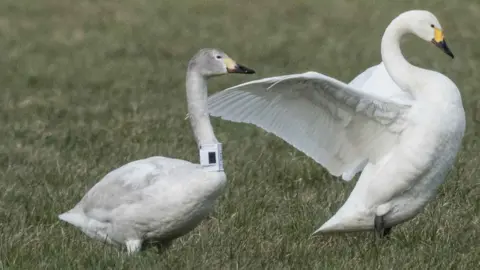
87 86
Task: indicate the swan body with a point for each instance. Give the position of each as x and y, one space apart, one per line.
158 199
125 205
400 125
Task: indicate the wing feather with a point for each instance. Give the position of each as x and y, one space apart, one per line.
338 125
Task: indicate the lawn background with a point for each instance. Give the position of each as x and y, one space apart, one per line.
87 86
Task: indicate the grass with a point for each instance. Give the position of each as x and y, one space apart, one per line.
87 86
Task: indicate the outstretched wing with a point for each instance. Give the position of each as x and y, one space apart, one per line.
337 125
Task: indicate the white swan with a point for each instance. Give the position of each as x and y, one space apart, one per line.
158 199
402 125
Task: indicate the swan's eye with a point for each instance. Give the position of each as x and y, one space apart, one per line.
218 57
431 25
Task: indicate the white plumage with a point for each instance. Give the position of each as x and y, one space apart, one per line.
402 125
350 123
158 199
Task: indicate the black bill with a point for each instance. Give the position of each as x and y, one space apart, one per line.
241 69
443 46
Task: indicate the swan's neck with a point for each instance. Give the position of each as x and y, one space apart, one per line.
404 74
210 148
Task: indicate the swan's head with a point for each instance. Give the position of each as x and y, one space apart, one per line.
426 26
213 62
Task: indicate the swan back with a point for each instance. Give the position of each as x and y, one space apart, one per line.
376 81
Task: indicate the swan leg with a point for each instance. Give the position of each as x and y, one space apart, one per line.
387 231
380 230
133 246
163 246
160 245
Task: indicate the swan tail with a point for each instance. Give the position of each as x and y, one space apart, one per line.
347 222
75 217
